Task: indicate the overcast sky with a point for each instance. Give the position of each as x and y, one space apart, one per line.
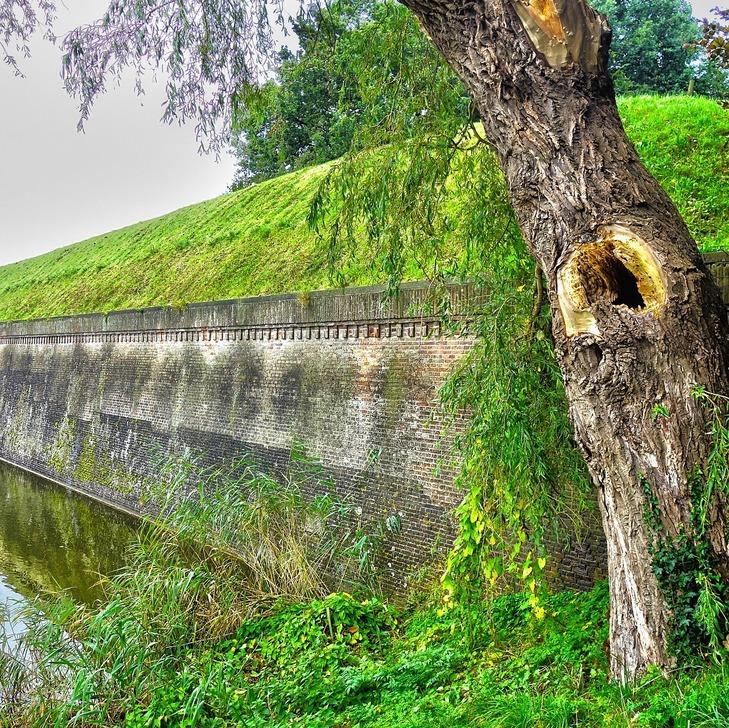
58 186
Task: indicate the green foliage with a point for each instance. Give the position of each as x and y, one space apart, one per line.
716 472
257 241
301 645
525 479
695 591
650 50
188 634
308 113
395 190
339 661
405 87
230 545
363 71
322 631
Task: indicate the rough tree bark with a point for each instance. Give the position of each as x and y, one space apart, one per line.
637 320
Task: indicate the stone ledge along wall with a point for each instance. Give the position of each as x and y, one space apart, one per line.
97 401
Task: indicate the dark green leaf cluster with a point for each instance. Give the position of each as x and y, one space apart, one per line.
653 48
307 114
687 572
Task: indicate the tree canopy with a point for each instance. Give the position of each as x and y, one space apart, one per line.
358 60
649 50
307 114
364 74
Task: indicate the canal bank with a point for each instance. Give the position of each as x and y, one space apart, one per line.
55 540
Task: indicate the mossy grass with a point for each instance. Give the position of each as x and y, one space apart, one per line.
257 241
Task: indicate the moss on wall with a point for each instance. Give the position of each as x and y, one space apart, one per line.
94 465
60 452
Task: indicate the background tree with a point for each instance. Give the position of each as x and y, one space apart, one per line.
650 48
328 96
715 37
640 332
308 113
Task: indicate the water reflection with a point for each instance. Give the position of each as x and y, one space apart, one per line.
53 539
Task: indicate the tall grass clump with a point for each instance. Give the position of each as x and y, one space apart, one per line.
230 544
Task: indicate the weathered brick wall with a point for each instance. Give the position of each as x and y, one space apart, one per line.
97 401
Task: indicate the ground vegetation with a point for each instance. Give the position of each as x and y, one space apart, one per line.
221 618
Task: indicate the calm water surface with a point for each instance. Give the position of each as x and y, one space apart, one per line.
52 539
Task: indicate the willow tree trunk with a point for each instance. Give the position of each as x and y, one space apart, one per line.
638 322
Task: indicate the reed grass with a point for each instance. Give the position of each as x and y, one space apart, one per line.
230 544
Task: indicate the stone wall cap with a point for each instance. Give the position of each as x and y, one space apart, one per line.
334 305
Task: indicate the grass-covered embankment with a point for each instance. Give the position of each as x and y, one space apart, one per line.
257 241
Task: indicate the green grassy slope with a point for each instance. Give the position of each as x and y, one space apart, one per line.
256 241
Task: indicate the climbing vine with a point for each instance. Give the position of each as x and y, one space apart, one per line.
687 574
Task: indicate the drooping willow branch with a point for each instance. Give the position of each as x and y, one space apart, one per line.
208 51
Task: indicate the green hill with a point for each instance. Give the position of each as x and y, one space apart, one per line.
256 241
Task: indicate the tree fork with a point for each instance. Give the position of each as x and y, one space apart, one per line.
637 320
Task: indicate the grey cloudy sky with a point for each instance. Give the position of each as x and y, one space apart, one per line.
58 186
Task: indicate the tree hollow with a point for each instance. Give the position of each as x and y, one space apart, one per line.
618 269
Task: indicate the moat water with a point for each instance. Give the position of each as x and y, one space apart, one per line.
52 540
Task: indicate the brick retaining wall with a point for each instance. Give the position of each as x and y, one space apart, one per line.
95 401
